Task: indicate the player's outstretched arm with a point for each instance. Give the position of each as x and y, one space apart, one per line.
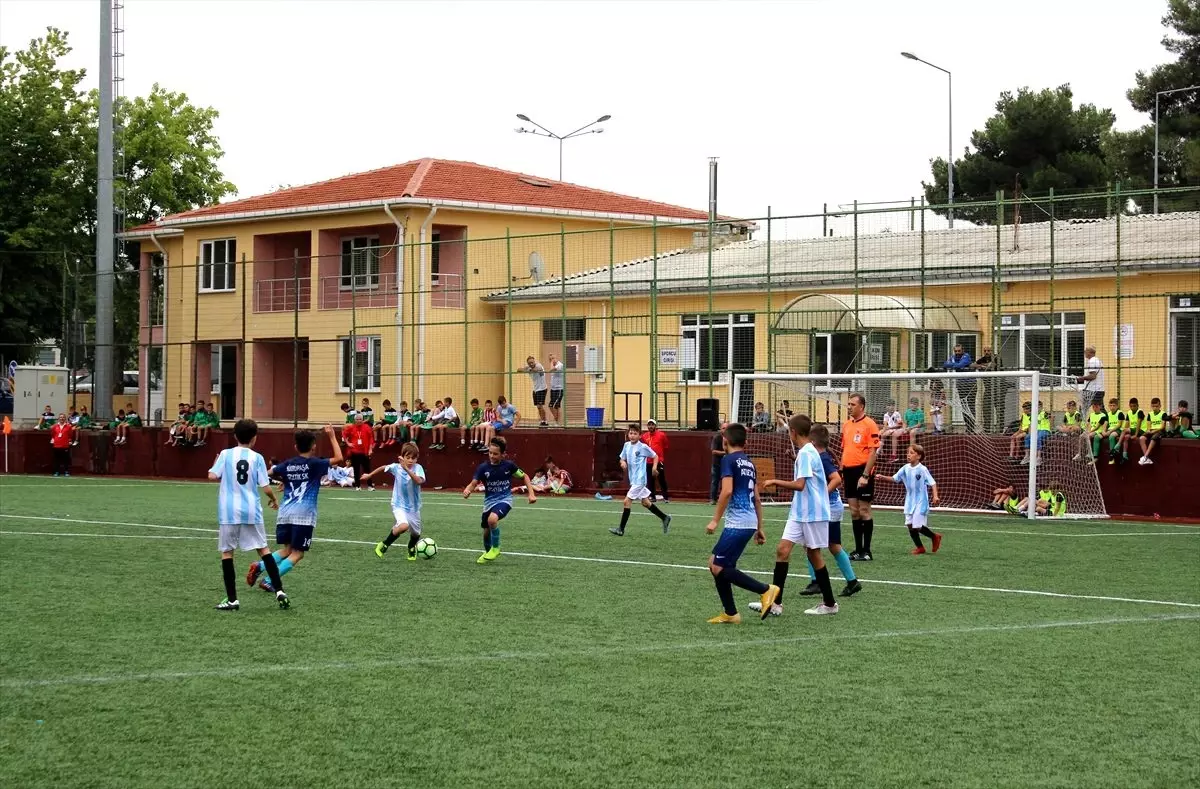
722 504
470 488
337 458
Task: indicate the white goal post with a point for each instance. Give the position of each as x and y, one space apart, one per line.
969 424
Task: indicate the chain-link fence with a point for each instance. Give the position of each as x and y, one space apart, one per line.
626 323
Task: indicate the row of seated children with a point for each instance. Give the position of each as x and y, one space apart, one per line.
909 425
1122 428
120 424
1051 501
193 425
400 425
549 478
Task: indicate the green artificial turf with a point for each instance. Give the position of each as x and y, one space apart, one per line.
582 659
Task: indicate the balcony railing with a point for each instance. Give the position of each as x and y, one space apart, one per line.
362 291
279 295
448 291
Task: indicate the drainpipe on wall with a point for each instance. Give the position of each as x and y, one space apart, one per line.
166 309
401 235
422 278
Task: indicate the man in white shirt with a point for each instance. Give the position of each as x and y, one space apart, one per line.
537 374
558 379
1092 380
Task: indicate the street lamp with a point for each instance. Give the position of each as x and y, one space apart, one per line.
950 124
1156 95
582 130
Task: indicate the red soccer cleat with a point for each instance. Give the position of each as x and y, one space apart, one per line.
937 542
252 574
918 551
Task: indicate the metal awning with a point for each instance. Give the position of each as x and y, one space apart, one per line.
840 312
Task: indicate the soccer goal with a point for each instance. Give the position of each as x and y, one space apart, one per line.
968 425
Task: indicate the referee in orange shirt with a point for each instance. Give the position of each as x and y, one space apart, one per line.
860 445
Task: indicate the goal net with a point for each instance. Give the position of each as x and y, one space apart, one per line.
969 425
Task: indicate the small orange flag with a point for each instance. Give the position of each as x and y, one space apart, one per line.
7 426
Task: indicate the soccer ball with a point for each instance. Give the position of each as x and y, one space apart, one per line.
426 548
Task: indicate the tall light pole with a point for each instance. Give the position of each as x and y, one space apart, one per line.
582 130
950 125
1156 95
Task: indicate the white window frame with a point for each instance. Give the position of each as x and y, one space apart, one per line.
208 268
1016 322
347 280
689 343
435 257
374 360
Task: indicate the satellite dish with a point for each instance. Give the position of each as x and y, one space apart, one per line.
537 267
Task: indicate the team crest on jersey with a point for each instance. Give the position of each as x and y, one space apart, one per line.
857 438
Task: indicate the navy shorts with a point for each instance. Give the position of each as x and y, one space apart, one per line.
730 545
298 537
835 532
502 509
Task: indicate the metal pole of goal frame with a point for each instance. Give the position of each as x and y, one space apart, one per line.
1034 438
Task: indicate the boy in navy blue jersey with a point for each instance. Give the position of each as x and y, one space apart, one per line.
496 476
740 505
297 518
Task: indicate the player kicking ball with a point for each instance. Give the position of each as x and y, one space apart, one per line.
496 475
741 507
808 520
636 457
408 476
297 518
242 472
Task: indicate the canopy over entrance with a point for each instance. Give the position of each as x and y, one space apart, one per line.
840 312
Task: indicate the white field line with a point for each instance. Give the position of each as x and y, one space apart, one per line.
621 562
233 672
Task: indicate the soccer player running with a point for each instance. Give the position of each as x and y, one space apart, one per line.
297 517
808 519
917 482
241 472
860 446
496 474
741 507
408 476
636 460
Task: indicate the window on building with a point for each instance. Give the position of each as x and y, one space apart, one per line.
157 281
569 330
217 267
360 362
834 354
713 346
360 263
435 258
1050 343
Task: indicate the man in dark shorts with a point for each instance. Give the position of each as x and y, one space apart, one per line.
537 374
860 446
558 381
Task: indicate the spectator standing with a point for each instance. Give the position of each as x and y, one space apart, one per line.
960 361
61 433
993 393
718 453
1092 381
558 382
657 440
359 439
860 449
537 374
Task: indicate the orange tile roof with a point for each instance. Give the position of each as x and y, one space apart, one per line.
438 179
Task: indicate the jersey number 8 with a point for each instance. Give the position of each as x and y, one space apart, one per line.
243 472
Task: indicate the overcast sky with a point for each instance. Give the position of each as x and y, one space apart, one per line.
804 102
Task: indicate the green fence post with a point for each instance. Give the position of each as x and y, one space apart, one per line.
770 344
1053 317
508 316
466 308
612 333
1117 337
562 280
654 321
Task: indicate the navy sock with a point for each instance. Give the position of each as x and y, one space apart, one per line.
743 581
725 592
654 510
230 580
826 587
916 537
624 519
487 538
781 571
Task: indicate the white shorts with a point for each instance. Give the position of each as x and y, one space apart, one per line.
810 534
637 493
243 536
917 520
411 519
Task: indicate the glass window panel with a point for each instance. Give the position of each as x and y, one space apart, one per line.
1036 347
819 361
743 349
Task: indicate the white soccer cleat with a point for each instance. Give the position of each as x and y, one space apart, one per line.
776 608
823 610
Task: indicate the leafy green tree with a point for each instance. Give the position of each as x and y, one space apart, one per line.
1131 154
48 190
1036 141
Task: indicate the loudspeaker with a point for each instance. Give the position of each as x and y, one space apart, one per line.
706 414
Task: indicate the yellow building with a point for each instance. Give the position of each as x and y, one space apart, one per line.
1036 293
282 306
